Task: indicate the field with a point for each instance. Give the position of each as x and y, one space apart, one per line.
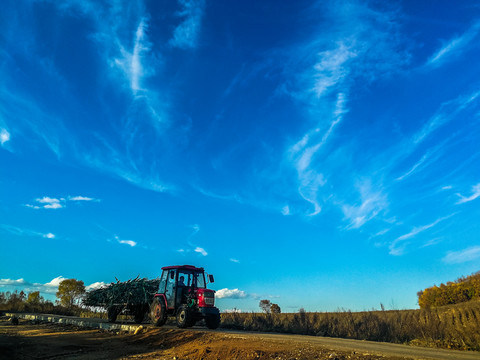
30 340
453 326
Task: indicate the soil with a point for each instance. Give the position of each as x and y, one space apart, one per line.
34 340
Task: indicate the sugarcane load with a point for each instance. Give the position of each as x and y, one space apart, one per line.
181 291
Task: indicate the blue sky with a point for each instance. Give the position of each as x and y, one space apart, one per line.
321 154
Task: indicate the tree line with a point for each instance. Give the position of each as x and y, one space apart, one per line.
453 292
69 294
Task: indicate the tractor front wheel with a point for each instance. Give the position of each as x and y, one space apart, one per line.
184 317
212 321
158 312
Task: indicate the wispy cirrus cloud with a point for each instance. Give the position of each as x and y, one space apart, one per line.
475 194
132 63
447 112
26 232
286 210
414 168
462 256
4 136
397 247
372 202
363 45
185 35
118 35
454 47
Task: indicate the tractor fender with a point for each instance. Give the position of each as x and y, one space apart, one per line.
162 297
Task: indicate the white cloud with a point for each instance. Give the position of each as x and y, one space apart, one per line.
47 200
231 294
55 282
53 206
49 236
10 282
234 310
454 47
57 203
185 35
48 203
95 285
4 136
286 210
475 194
234 260
126 242
50 287
32 206
81 198
462 256
201 251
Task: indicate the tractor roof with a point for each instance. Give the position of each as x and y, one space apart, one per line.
183 267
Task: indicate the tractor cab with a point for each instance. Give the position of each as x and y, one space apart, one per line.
183 293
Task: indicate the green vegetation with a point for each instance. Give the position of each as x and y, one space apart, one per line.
70 292
33 302
456 326
459 291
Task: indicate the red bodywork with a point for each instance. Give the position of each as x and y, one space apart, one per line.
205 297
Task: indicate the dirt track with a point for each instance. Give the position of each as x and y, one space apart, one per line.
30 340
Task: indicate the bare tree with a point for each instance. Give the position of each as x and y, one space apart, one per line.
265 306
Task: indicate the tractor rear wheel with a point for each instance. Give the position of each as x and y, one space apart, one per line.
184 317
212 321
158 312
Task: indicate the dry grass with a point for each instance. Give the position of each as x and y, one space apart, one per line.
455 326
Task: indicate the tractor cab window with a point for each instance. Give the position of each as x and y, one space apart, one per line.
163 282
169 291
190 278
184 278
200 280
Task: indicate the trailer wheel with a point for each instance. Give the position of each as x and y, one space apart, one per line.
212 321
139 314
112 313
184 317
158 313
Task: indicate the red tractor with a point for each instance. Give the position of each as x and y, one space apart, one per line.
183 293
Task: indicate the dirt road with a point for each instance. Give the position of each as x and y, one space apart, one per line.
32 340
